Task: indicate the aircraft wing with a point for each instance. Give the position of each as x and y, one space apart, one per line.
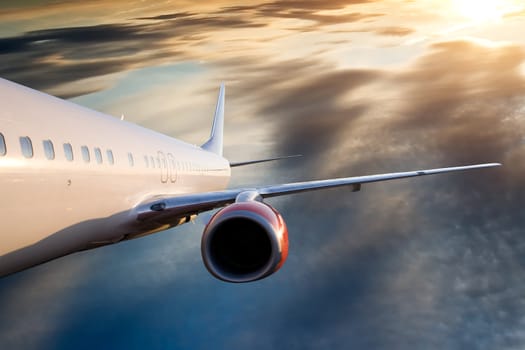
171 210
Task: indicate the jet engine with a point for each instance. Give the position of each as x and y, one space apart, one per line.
244 242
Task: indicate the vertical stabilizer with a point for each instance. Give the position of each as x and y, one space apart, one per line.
214 144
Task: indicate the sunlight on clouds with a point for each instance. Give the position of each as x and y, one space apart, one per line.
490 44
485 10
437 20
522 69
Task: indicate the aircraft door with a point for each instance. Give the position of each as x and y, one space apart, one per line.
163 167
172 167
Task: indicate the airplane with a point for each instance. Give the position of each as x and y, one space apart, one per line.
74 179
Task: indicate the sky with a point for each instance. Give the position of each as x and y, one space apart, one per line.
358 87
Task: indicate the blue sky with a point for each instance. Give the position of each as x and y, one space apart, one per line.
356 86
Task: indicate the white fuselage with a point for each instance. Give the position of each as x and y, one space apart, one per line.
53 205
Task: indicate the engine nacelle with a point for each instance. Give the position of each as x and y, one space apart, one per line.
245 242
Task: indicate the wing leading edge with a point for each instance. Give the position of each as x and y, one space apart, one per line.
170 210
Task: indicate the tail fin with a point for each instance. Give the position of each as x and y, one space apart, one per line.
214 144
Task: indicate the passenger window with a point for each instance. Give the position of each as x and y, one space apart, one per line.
130 159
27 146
98 155
111 160
146 161
3 149
49 150
85 154
68 151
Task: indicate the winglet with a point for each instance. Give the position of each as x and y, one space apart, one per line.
214 144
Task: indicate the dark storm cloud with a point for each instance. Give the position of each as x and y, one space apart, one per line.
281 6
76 35
46 58
382 268
465 106
313 113
435 255
175 15
315 5
266 11
305 10
467 100
460 103
300 99
58 56
318 19
186 21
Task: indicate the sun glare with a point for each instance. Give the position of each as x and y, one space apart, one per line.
483 10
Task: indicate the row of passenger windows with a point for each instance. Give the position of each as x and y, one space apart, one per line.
26 146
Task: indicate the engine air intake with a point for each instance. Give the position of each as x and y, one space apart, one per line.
245 242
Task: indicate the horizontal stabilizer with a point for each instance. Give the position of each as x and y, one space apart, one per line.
250 162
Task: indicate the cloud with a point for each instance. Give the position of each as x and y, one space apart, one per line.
46 58
466 106
313 113
64 55
520 12
60 56
437 251
175 15
307 10
394 31
422 263
315 5
458 104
